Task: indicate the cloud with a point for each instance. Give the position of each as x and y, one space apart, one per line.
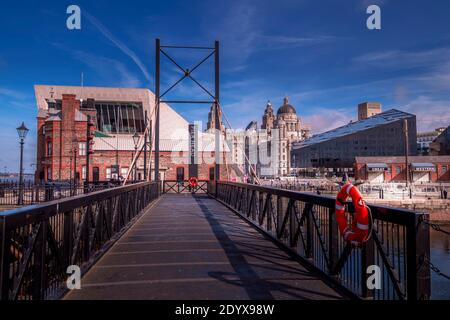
106 68
119 44
9 93
431 113
398 59
284 42
241 30
325 119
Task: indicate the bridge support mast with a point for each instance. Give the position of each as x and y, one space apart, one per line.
217 110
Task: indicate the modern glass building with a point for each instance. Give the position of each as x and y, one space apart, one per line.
379 135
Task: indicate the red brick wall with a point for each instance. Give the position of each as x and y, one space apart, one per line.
392 176
66 135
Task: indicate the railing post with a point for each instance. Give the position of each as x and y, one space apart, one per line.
418 253
309 228
5 258
68 238
333 240
280 212
38 283
216 187
85 235
367 259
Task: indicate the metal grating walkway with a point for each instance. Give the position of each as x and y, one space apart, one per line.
192 247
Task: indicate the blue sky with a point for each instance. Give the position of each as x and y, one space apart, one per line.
319 53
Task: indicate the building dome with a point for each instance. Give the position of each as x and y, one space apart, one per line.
286 108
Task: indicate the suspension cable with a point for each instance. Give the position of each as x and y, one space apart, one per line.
245 156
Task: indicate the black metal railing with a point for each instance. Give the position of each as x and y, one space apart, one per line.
38 193
38 243
173 186
305 224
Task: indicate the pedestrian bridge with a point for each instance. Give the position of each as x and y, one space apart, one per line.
217 241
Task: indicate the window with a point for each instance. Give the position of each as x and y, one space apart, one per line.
83 172
120 118
49 173
212 172
180 174
49 148
398 170
444 169
123 172
82 148
108 173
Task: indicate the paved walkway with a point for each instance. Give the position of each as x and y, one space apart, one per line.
192 247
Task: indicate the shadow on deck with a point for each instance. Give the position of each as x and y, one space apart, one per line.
192 247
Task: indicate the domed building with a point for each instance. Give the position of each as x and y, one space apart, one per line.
288 128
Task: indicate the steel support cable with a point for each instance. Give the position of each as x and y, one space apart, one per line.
135 156
246 158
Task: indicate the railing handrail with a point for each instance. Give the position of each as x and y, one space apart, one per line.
38 243
398 215
305 224
47 209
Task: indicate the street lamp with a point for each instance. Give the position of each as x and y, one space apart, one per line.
22 131
136 138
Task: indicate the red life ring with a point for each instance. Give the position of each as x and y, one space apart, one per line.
358 232
193 182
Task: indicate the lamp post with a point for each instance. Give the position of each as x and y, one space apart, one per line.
22 131
136 141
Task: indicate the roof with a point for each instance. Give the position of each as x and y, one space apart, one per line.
169 118
53 118
422 165
252 126
401 159
380 119
286 107
125 142
376 165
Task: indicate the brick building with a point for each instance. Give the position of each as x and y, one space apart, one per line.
393 169
116 114
441 145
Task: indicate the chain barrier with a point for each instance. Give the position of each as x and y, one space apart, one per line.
436 227
436 269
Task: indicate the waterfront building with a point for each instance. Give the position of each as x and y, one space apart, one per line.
379 135
422 169
424 140
116 115
368 109
441 144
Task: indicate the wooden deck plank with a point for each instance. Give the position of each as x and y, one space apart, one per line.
193 247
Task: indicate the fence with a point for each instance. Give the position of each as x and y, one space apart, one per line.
32 194
393 191
173 186
38 243
305 224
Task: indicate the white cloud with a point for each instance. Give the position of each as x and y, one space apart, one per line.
398 59
106 68
325 119
119 44
241 30
431 113
9 93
